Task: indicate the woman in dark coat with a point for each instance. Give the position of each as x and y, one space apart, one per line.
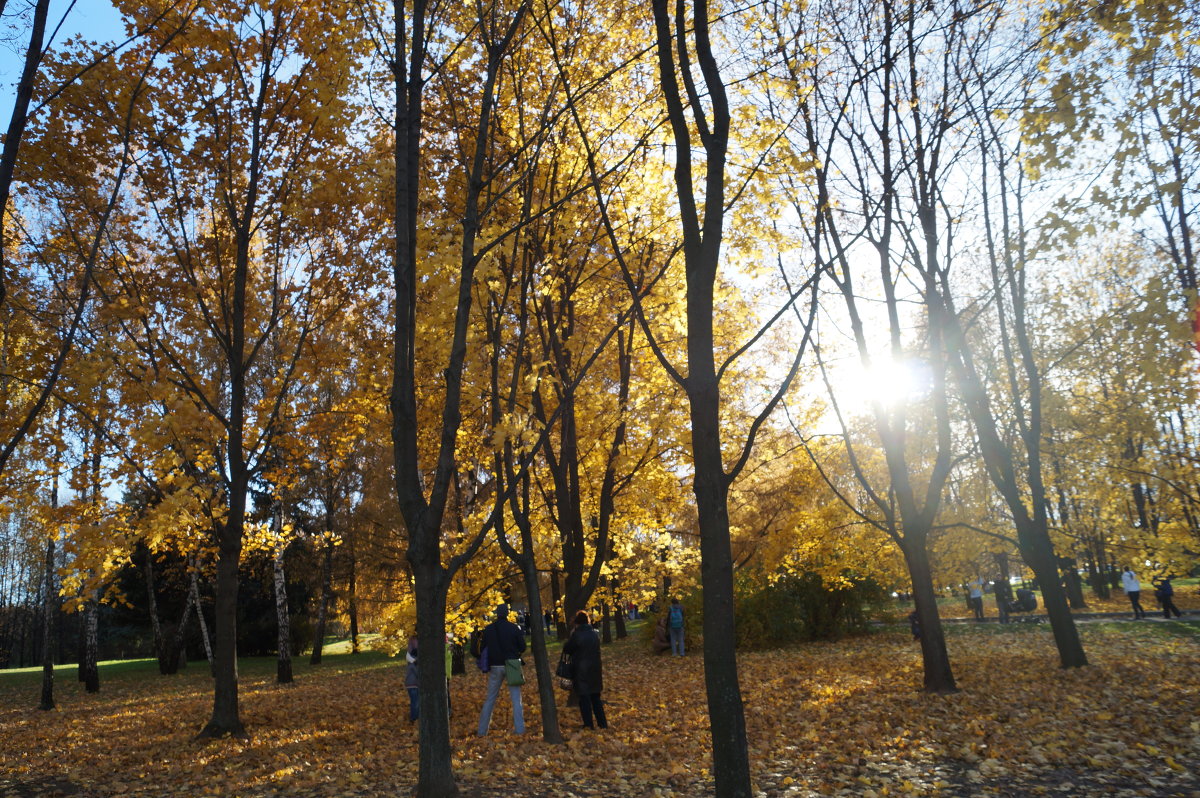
583 647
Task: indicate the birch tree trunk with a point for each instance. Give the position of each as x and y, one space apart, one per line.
283 670
200 619
89 666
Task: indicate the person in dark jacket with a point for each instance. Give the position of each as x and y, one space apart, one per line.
502 640
583 647
1165 593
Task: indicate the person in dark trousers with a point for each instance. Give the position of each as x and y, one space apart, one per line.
1003 592
410 681
675 623
583 647
502 640
1165 593
1133 589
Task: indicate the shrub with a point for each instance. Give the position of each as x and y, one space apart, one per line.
797 608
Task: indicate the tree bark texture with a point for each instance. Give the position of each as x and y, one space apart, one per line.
91 646
939 677
283 668
226 718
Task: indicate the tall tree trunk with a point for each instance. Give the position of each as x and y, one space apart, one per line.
226 718
326 592
436 773
49 606
939 677
702 250
89 666
1039 555
283 668
177 653
422 514
1071 583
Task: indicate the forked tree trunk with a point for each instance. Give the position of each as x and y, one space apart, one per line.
702 252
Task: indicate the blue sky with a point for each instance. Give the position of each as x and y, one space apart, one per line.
95 19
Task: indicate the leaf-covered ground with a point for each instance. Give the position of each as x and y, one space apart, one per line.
842 718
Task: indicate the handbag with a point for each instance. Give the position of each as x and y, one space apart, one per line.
513 673
565 673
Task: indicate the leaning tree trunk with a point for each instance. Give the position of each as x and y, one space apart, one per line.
1038 554
208 652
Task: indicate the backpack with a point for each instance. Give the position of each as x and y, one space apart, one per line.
675 617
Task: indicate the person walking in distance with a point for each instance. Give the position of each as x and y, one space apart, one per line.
1133 589
675 627
587 672
502 640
